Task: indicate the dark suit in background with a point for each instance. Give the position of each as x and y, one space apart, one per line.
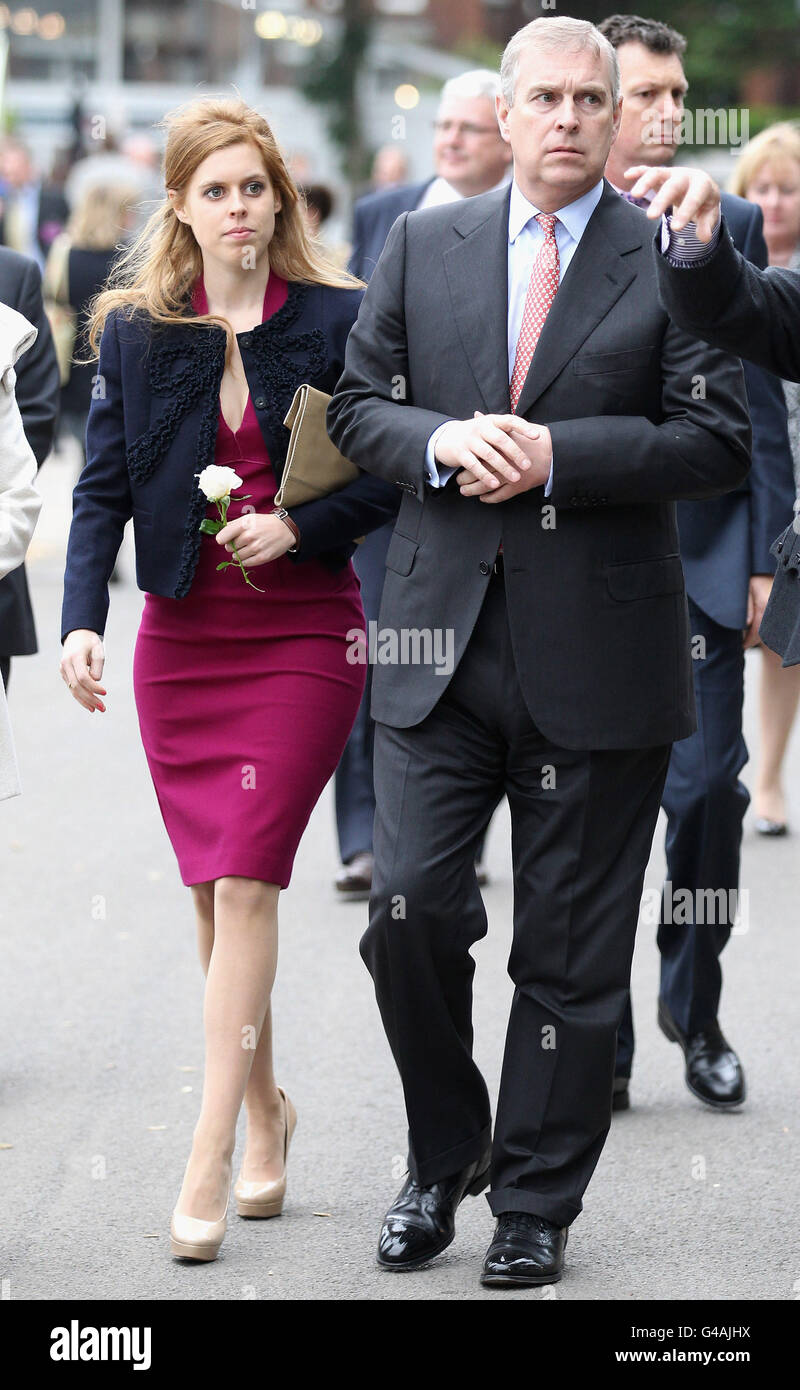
373 218
572 674
37 392
87 272
755 313
736 306
723 541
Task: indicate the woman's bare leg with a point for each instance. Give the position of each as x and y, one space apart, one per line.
263 1157
203 895
240 974
780 692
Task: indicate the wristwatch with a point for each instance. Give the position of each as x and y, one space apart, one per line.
293 527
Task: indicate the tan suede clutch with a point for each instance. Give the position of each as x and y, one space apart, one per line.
314 467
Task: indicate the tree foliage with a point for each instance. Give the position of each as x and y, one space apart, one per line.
332 82
727 39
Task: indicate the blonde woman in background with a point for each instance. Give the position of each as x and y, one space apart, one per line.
19 499
768 173
77 268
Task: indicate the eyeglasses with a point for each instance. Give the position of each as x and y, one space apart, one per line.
463 128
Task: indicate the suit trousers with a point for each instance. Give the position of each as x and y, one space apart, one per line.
582 825
705 802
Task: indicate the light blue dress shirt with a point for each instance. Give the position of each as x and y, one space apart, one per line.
525 240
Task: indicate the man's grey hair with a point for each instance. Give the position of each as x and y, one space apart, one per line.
479 82
562 34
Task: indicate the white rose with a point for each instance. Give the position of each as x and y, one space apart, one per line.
218 482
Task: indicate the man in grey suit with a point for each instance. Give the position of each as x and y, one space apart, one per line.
513 372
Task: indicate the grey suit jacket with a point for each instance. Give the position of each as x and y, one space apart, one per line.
596 601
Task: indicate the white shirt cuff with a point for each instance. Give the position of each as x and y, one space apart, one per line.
437 477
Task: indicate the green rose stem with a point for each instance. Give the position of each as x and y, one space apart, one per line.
211 528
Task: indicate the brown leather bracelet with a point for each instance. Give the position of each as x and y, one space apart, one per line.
293 527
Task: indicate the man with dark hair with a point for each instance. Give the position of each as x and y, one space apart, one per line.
724 545
621 29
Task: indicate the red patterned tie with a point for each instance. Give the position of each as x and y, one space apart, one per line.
542 288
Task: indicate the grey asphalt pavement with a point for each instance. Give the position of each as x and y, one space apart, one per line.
101 1047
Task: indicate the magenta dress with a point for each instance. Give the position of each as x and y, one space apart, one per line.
245 699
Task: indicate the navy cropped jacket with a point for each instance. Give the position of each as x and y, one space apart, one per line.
153 427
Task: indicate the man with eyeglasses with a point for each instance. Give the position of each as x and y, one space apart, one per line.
470 157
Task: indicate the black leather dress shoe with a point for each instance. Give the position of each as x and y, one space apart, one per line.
713 1071
354 881
620 1096
525 1249
421 1222
764 826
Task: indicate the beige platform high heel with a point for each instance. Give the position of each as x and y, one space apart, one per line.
266 1198
194 1239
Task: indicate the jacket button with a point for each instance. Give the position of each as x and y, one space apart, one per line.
484 567
260 402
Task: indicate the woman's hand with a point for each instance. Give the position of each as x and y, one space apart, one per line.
81 667
258 538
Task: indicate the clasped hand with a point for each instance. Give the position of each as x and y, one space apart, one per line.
258 538
492 467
